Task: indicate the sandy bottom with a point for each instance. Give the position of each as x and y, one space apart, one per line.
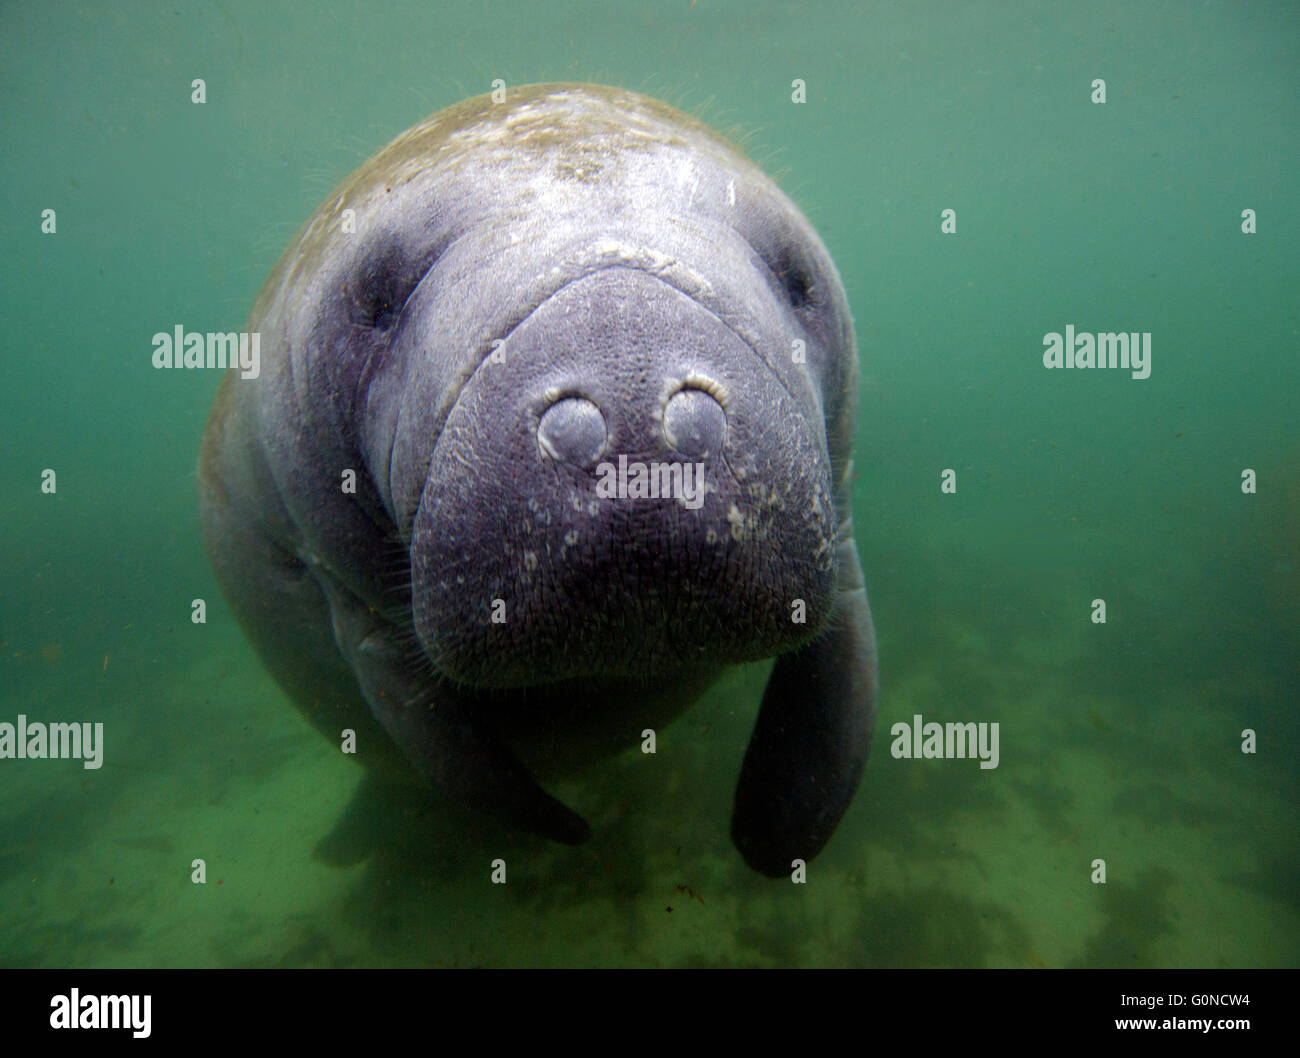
938 863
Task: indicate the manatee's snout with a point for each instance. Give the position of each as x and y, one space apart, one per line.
624 488
573 430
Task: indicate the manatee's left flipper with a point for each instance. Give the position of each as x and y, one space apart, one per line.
437 728
355 835
472 766
810 744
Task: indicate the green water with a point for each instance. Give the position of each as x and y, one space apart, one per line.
1119 742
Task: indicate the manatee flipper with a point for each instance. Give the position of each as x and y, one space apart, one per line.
435 726
355 834
810 743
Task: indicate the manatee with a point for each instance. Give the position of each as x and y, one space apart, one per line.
553 425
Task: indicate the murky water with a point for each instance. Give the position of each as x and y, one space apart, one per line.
1161 742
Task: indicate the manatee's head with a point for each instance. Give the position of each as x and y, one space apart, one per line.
572 298
539 507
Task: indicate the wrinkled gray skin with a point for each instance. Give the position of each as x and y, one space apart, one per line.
534 287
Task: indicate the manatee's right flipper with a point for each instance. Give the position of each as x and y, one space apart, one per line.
810 744
355 834
436 726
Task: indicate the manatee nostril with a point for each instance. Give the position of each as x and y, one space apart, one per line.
694 423
572 430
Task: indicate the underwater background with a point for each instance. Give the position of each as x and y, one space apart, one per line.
1119 741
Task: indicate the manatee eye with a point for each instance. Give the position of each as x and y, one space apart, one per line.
798 286
379 289
381 286
794 278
